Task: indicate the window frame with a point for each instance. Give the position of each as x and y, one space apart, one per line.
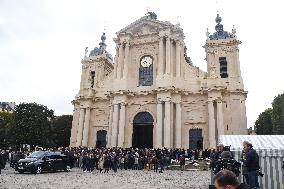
146 73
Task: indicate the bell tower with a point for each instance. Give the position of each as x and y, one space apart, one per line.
226 95
95 68
222 55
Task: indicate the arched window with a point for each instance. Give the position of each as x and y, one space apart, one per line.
146 71
142 136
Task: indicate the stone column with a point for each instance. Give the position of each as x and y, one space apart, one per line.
168 55
120 59
212 139
115 62
75 123
109 127
80 127
126 60
159 126
167 125
95 135
177 59
115 67
86 127
161 56
114 126
121 126
220 123
181 56
178 126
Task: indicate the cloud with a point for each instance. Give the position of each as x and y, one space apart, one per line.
43 42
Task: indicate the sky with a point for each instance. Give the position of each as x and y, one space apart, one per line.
42 43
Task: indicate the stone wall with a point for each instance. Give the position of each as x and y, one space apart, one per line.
194 115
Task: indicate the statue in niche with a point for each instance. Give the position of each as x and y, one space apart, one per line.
86 52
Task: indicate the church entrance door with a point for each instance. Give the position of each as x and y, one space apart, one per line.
142 136
101 139
195 139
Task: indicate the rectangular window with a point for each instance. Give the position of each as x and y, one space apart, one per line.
223 67
93 75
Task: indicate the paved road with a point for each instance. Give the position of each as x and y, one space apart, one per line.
122 179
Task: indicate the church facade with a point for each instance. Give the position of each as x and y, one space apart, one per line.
151 94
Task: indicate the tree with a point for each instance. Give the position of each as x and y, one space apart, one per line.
32 124
6 122
61 130
263 124
278 114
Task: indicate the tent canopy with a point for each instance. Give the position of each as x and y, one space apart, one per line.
259 142
270 149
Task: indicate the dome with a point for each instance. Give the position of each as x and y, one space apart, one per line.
220 33
102 49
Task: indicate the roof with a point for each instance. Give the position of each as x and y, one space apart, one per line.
259 142
220 33
148 19
102 49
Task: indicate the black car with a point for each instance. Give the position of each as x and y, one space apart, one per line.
40 161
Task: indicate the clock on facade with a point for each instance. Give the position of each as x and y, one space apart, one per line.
146 61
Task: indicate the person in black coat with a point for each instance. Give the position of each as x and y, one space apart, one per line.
70 160
2 163
162 163
5 156
107 163
251 163
91 163
156 164
114 162
85 162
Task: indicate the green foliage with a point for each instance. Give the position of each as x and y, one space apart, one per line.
271 121
263 124
61 130
6 122
278 114
32 124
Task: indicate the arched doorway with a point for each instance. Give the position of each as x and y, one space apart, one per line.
142 136
195 139
101 139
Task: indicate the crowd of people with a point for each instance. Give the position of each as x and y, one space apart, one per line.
133 158
106 159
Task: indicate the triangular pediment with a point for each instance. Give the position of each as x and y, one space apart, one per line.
144 26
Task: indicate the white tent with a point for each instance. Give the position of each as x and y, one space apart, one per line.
271 153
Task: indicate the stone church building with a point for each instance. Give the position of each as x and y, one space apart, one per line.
151 94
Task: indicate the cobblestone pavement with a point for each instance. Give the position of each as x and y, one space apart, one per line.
9 179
